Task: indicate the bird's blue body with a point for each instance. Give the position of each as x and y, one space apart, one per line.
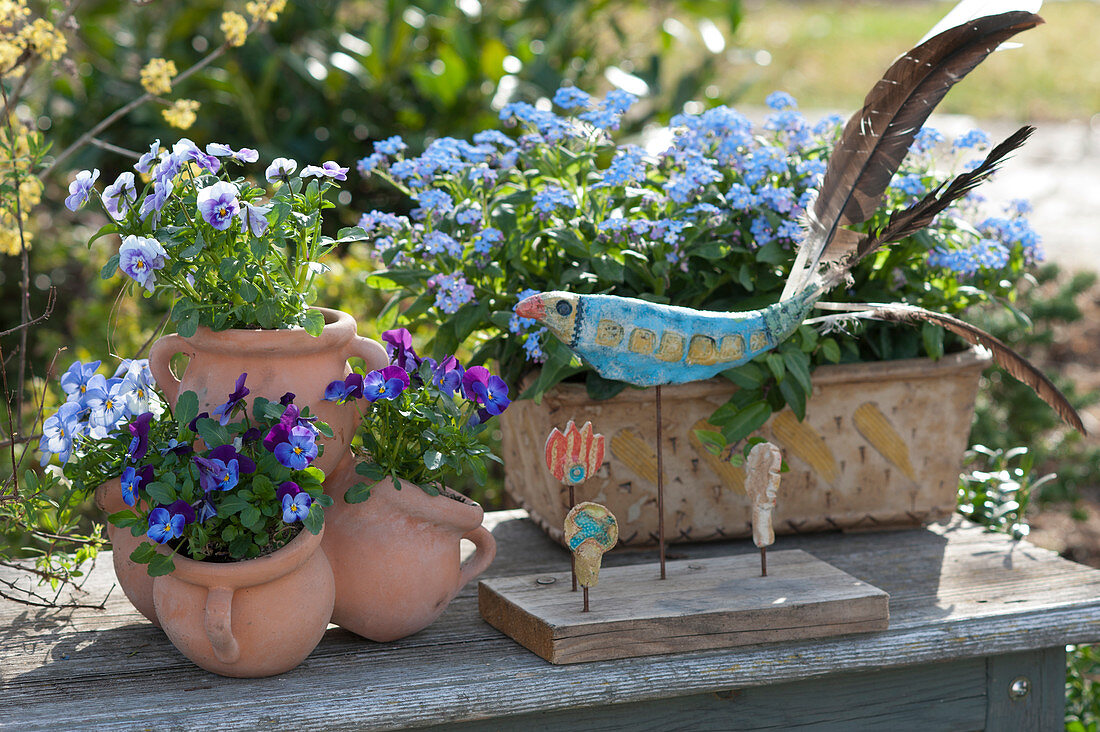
647 344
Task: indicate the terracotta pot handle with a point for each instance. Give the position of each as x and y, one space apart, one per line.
371 351
218 622
160 363
482 557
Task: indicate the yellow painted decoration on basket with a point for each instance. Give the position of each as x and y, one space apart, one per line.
732 476
805 443
876 429
633 451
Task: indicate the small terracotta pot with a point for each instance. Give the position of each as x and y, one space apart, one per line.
396 557
276 361
258 617
133 578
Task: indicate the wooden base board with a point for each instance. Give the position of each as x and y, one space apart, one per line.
703 603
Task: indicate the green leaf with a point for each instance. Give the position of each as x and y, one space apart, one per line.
600 388
232 503
161 492
187 408
247 290
433 459
314 322
798 366
831 350
795 397
212 433
608 269
161 565
746 421
746 376
712 440
358 492
110 268
189 324
774 362
932 335
144 553
194 247
315 519
267 313
371 471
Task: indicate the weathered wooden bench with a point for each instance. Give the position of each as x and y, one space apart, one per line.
976 641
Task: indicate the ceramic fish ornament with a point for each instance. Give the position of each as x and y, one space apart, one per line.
761 485
590 531
648 344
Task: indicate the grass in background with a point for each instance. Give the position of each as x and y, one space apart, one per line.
827 54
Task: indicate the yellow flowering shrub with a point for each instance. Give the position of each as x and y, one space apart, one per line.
182 113
266 10
235 28
156 76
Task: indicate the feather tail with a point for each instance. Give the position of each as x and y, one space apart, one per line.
876 138
1016 365
918 216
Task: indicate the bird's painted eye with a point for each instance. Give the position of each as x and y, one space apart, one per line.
563 308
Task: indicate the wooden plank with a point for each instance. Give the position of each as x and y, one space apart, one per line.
1026 690
957 593
938 696
703 604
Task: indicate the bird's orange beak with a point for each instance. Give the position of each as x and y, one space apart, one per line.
531 307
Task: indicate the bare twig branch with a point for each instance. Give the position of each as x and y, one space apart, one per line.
104 145
51 300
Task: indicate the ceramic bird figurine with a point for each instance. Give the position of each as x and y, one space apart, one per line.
590 531
648 344
761 485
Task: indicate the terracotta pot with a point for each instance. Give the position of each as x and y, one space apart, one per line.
133 578
258 617
881 447
276 361
396 556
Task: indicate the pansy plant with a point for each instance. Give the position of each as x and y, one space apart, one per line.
420 418
248 489
232 250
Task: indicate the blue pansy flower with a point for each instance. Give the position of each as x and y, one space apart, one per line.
218 204
299 449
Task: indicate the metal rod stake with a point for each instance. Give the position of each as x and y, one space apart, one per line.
573 562
763 561
660 488
585 600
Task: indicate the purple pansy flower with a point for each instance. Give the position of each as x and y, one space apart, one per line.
186 151
139 257
80 188
226 453
139 429
341 391
221 150
287 488
447 375
206 508
224 411
74 381
148 159
167 522
280 432
280 169
254 217
286 398
298 450
132 480
385 383
118 196
330 169
485 389
218 204
217 475
296 507
399 347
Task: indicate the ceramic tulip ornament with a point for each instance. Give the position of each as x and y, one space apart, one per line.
590 531
761 485
572 456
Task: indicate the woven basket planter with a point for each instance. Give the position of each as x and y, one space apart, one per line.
881 447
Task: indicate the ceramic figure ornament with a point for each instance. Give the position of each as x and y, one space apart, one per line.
590 531
571 457
761 485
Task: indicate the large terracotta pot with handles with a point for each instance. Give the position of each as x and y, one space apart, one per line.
256 617
396 556
277 362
